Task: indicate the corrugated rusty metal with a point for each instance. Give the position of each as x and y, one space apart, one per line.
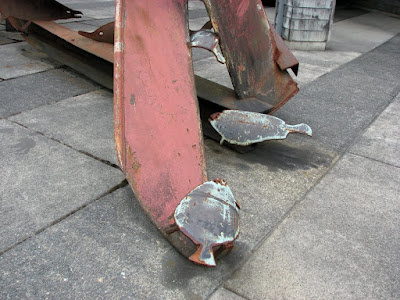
35 10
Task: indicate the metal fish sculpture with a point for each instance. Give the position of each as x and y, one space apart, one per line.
209 216
245 128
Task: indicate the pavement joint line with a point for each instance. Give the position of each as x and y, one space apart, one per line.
33 74
122 184
228 289
69 146
373 159
341 153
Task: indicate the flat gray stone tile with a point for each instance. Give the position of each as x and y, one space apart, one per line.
340 105
314 64
14 36
5 41
27 92
19 59
344 13
97 10
211 69
99 22
341 242
84 122
76 26
268 181
224 294
43 181
383 63
198 23
381 141
363 33
193 5
109 249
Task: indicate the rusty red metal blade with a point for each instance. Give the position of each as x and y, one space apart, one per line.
248 45
158 134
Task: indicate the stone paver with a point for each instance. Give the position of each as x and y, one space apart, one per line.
19 59
341 242
363 33
27 92
224 294
84 122
314 64
108 249
342 103
43 181
381 141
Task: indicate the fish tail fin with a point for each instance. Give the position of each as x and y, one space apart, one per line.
204 256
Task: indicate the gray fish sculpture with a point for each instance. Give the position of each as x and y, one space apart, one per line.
245 128
209 216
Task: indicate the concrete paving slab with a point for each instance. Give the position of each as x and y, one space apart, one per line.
314 64
15 36
80 26
224 294
5 41
340 105
43 181
211 69
198 13
345 12
100 22
196 5
383 63
341 242
19 59
97 10
84 122
198 23
27 92
381 141
363 33
108 249
268 181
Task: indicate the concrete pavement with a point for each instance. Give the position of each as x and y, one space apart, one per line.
320 216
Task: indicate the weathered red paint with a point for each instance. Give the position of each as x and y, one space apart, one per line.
157 125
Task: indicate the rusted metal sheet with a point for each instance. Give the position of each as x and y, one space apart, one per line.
60 47
283 56
35 10
246 128
249 48
102 50
209 216
104 34
158 134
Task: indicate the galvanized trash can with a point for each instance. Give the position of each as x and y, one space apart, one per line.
304 24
